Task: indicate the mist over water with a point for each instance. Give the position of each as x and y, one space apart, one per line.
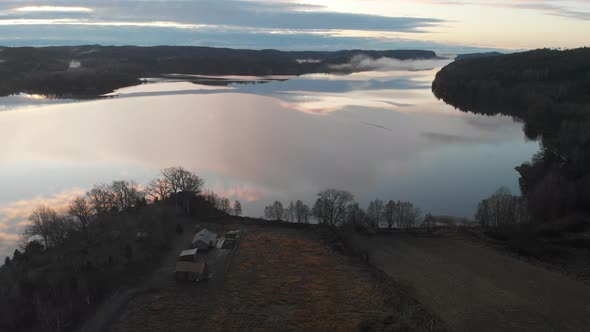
377 134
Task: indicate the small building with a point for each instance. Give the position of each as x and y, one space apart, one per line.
190 266
191 271
189 255
204 240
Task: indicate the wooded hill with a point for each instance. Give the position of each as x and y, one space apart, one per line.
549 91
90 71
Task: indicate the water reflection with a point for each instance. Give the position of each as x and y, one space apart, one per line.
377 134
25 100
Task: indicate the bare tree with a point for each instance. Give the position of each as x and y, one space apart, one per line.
306 214
158 189
408 214
331 206
375 212
356 215
274 211
225 205
46 224
81 209
125 194
290 212
237 208
60 230
181 180
501 209
390 212
185 182
101 199
212 198
40 225
302 212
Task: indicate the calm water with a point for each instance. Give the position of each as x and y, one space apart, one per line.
378 134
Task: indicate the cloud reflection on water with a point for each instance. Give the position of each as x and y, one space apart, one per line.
385 136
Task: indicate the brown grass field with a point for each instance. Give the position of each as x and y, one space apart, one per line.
289 280
476 288
276 279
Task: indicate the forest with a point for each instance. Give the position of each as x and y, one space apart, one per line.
68 263
90 71
549 92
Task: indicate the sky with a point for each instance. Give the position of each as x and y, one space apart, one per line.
443 25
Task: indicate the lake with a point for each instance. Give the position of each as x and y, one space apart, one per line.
379 134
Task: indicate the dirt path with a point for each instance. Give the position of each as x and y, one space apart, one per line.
167 305
112 307
474 288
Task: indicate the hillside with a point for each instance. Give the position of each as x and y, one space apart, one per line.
549 91
90 71
477 55
537 81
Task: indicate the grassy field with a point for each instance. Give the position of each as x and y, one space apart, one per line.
290 280
476 288
276 279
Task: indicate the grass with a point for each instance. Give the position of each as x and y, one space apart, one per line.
289 280
281 279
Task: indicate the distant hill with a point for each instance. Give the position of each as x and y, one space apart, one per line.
93 70
477 55
517 84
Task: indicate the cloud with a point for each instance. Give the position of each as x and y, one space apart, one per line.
241 192
364 63
569 9
53 9
235 23
14 216
550 7
239 13
79 22
8 242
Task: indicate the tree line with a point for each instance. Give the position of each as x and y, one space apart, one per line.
338 208
502 209
69 262
176 184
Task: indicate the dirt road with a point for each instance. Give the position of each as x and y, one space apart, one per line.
474 288
167 305
111 308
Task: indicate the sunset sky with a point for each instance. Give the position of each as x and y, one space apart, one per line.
446 25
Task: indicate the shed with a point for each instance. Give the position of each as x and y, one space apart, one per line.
204 239
189 255
191 271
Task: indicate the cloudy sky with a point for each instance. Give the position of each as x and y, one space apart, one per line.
300 24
